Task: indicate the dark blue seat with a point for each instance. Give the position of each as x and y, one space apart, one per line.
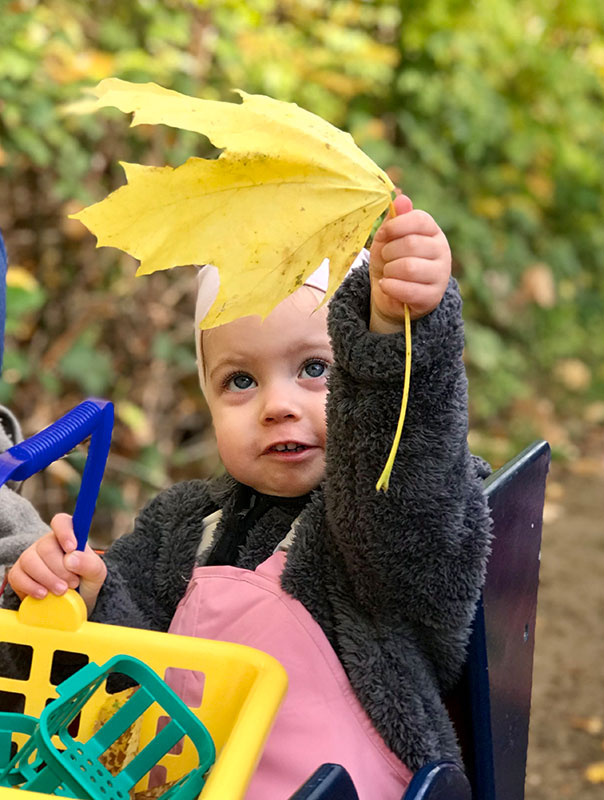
491 704
328 781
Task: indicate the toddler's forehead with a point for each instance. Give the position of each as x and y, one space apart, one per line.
305 301
300 314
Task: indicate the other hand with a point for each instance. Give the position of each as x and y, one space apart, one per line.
52 564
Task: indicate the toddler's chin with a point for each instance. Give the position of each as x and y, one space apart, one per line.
285 481
287 490
291 488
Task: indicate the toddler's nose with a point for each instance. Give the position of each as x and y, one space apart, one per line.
279 404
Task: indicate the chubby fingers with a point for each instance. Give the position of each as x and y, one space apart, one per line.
411 247
40 569
410 267
52 564
414 221
91 571
85 568
416 261
420 297
418 283
62 527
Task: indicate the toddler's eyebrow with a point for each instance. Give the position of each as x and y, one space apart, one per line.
231 361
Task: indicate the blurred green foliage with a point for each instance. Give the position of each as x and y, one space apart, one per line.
490 115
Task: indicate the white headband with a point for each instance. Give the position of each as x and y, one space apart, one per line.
208 281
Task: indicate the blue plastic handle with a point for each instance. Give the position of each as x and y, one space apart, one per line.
92 417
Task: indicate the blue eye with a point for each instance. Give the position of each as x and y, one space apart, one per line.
239 382
314 369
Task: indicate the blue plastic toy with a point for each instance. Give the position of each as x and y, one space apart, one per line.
92 417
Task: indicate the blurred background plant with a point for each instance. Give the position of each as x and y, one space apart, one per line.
489 114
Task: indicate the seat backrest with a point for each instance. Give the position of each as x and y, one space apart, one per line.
491 706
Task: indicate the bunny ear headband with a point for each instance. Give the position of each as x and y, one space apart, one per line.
207 288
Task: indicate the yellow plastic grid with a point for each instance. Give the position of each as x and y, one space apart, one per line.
242 689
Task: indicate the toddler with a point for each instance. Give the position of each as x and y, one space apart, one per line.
365 597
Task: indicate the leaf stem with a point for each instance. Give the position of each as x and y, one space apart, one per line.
384 479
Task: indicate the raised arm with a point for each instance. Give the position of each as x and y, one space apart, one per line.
417 552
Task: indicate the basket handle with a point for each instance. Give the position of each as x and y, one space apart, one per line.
93 417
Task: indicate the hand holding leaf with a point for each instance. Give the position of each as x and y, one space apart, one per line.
409 269
410 265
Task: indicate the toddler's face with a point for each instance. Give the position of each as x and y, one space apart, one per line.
266 388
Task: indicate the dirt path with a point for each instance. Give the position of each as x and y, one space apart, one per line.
567 720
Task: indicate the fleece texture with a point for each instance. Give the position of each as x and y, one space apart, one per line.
392 578
20 523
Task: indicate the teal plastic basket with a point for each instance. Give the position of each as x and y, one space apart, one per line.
71 768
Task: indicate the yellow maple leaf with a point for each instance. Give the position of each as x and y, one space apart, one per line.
288 190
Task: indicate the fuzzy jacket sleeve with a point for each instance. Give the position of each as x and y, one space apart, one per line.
417 552
148 570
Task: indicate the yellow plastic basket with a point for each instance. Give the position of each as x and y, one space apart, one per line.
242 687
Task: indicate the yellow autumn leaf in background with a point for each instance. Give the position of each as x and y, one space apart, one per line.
20 278
287 191
595 772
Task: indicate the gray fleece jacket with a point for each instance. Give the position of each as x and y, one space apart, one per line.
20 523
392 578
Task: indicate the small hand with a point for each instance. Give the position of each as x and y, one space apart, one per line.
410 263
52 564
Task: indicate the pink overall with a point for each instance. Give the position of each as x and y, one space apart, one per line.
321 719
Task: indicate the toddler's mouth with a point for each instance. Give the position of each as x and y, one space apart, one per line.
287 447
290 452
